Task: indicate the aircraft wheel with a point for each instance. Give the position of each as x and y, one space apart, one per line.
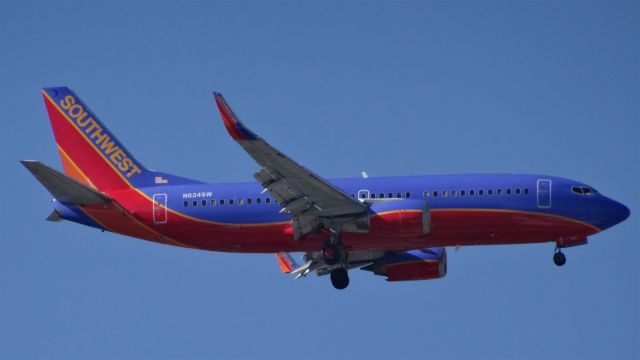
331 254
559 259
340 278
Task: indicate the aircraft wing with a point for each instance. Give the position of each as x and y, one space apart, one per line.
309 199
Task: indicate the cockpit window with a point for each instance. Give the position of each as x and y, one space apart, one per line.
583 190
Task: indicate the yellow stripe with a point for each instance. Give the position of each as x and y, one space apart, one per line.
68 158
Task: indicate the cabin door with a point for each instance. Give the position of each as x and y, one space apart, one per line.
159 208
544 193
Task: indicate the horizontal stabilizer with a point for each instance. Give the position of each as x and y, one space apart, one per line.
64 188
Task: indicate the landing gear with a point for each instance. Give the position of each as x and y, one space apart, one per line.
558 258
331 248
340 278
331 254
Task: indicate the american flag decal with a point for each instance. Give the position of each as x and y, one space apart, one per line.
161 180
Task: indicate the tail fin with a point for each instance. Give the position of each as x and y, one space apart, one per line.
90 153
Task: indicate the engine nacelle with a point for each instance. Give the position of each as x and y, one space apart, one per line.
400 218
425 264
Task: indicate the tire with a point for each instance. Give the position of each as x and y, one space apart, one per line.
340 278
559 259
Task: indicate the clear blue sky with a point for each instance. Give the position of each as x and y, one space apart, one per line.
391 88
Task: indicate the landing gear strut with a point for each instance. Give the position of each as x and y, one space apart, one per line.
331 250
340 278
558 258
331 254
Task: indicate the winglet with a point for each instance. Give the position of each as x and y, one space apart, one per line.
285 262
236 129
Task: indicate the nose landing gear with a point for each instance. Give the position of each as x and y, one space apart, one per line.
558 258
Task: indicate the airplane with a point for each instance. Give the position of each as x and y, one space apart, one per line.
395 227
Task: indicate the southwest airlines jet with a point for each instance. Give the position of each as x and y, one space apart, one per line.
396 227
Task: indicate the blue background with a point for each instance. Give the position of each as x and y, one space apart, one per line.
394 88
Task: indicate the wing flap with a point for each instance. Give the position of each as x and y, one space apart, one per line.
64 188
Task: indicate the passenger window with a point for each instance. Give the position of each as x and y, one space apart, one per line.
462 192
249 200
230 201
240 201
258 200
407 194
480 192
267 200
444 193
435 193
489 192
398 195
381 196
426 194
221 201
526 191
372 196
508 191
213 202
204 202
195 203
363 195
390 195
518 191
453 193
472 192
499 191
185 204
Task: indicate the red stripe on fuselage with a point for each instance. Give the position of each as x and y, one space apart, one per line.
449 227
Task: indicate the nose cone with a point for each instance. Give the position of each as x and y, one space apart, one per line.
614 213
622 212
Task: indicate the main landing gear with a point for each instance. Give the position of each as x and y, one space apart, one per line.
331 248
331 256
330 253
558 257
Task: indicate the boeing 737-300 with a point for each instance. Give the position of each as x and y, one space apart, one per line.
396 227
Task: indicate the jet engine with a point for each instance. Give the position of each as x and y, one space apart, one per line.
424 264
